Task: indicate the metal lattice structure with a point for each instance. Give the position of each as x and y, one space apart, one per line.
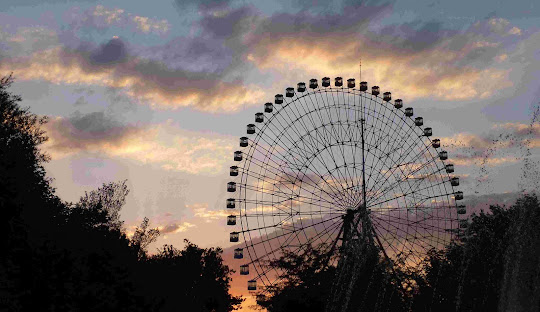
320 152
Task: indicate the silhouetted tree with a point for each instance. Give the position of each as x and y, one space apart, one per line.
192 279
143 237
57 256
307 280
520 289
109 198
468 276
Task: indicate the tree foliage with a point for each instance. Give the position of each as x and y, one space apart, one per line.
497 267
58 256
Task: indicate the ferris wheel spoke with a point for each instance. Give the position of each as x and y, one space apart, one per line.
403 195
405 176
378 162
374 137
311 168
331 133
339 134
294 248
290 191
262 270
285 214
289 237
314 185
393 161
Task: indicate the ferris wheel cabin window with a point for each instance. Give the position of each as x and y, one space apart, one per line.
278 99
233 171
243 141
326 82
409 111
419 121
231 187
428 131
234 237
436 143
301 87
268 107
387 96
351 83
239 253
449 168
238 155
338 82
443 155
244 269
398 103
230 203
231 220
250 129
313 84
289 92
375 90
259 117
252 285
363 86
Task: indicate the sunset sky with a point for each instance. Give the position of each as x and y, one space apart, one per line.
158 92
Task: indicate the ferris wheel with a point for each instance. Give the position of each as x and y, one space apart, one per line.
324 162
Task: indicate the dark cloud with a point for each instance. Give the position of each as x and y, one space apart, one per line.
114 51
228 23
80 101
174 228
203 5
81 131
95 125
198 55
414 36
8 4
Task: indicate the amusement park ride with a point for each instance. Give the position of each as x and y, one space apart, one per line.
339 167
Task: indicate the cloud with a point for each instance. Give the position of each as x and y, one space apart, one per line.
164 145
114 51
200 210
502 27
86 132
101 17
420 63
209 71
174 228
147 25
504 144
150 82
501 136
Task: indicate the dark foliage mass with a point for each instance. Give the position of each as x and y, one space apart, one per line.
495 267
58 256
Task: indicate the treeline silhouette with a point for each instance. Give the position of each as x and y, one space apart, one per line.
58 256
496 267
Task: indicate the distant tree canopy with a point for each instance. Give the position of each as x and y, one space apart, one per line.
496 268
58 256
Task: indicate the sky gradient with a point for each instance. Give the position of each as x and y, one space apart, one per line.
158 92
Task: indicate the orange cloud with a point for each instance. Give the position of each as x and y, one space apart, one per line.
200 210
147 81
421 74
501 136
164 145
